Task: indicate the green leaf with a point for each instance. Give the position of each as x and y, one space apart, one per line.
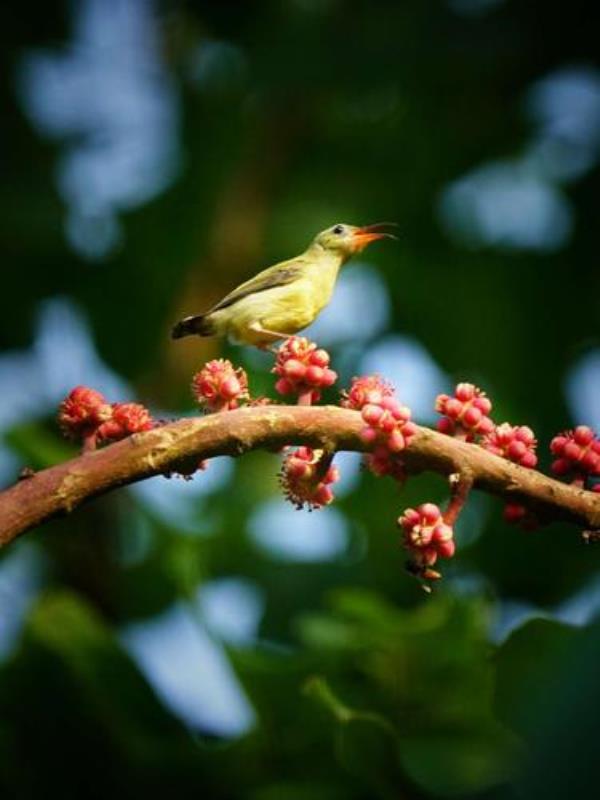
366 743
548 689
526 674
419 674
68 652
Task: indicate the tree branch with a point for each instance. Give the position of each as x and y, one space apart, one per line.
60 489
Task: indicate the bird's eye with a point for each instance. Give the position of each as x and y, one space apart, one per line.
339 229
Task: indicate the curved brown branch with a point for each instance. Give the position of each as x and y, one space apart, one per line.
60 489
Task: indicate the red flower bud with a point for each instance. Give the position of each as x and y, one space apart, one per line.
445 425
557 444
472 417
516 450
230 388
426 536
446 549
85 414
294 369
583 435
283 386
314 375
526 435
485 426
579 454
302 369
529 460
322 496
466 391
329 378
516 443
372 414
396 441
368 435
302 481
387 423
442 532
572 451
514 512
590 462
127 418
453 408
429 512
219 386
320 358
369 389
82 411
482 403
466 413
561 466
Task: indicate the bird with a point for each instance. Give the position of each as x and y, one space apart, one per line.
284 299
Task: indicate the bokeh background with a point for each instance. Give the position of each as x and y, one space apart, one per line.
204 638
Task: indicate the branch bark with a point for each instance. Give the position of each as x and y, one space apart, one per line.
60 489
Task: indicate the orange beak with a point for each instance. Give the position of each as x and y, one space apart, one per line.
370 233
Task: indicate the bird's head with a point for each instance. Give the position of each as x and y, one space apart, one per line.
350 239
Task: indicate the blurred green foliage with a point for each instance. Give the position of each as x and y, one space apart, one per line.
289 116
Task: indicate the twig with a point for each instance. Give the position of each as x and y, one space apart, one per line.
461 484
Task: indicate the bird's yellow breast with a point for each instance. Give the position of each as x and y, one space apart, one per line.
282 309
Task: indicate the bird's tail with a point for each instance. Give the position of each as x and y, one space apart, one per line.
199 325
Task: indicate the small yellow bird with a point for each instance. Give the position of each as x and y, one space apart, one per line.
287 297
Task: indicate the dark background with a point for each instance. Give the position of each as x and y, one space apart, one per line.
204 639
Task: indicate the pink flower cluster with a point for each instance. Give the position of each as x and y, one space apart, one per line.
82 412
466 413
382 463
366 390
85 414
305 481
303 370
516 443
219 386
426 537
388 427
126 418
577 454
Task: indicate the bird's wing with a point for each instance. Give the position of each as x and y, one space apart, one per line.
278 275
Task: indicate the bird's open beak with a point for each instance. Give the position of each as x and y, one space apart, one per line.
370 233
